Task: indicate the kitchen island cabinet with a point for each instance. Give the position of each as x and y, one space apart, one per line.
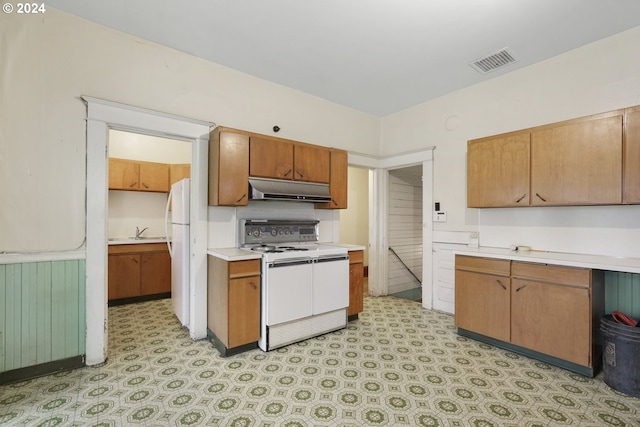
228 168
233 304
356 283
138 271
549 312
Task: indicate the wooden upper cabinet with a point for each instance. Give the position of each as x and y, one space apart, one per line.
178 171
498 171
154 177
631 156
123 174
136 175
311 163
228 168
577 163
270 158
338 182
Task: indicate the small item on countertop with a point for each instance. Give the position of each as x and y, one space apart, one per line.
623 319
517 248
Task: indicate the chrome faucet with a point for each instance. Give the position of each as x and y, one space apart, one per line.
139 232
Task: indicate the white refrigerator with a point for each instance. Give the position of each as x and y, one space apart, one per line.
178 242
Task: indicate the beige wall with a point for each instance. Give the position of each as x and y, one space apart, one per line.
354 221
48 61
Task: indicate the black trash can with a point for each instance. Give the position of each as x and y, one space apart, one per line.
621 356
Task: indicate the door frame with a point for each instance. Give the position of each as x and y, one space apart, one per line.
103 115
379 168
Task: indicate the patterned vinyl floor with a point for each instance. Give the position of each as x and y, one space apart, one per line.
398 365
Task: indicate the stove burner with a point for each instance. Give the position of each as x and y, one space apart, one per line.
292 249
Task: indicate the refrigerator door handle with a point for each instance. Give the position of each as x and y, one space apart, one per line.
166 222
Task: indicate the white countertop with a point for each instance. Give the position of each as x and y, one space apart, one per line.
233 254
134 241
596 262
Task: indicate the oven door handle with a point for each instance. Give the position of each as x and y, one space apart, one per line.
331 258
288 262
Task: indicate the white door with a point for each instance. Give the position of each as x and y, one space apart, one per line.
330 285
288 291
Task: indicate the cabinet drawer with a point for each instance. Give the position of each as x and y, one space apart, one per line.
501 267
356 257
244 268
572 276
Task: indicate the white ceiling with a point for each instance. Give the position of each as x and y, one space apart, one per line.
376 56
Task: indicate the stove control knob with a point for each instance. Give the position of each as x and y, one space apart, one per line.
274 232
256 233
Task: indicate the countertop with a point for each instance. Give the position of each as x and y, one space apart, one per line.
235 254
134 241
596 262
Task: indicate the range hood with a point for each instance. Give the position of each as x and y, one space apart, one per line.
279 189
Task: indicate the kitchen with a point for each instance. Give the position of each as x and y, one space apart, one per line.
608 71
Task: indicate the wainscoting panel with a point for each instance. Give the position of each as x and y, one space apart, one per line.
42 312
622 292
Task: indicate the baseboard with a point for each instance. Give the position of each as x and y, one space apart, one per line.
143 298
41 370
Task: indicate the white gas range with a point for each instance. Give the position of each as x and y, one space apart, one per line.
305 284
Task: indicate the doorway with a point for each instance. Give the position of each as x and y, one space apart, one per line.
405 218
102 116
139 216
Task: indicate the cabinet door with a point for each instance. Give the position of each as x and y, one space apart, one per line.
356 279
311 163
124 276
632 157
483 304
338 183
498 171
244 310
577 163
270 158
178 171
552 319
154 177
228 169
155 273
123 174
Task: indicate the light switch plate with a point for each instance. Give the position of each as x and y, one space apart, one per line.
439 216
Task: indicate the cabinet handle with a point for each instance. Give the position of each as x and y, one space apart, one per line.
241 197
133 184
287 173
500 283
521 197
134 260
521 287
541 198
253 285
300 174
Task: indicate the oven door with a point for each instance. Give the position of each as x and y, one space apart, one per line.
330 283
288 290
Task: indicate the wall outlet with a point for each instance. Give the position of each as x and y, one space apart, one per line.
439 216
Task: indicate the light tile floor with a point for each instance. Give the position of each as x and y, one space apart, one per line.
398 365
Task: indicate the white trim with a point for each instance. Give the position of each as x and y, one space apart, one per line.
378 246
102 115
19 258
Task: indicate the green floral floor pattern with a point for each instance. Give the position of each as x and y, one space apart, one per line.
398 365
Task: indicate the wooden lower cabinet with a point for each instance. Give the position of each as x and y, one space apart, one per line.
356 282
482 296
233 304
138 270
545 310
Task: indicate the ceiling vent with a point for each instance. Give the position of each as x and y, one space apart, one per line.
494 61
